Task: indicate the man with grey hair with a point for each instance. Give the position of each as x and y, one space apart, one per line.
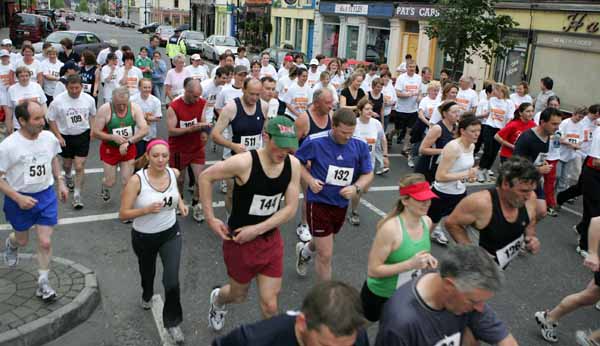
447 307
119 125
466 98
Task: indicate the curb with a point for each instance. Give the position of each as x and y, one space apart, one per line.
60 321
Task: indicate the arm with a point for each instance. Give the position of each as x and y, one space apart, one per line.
422 117
532 243
426 145
63 192
140 123
56 132
172 128
97 82
8 120
502 141
592 261
292 108
465 214
216 134
342 101
301 126
508 341
40 78
123 79
128 197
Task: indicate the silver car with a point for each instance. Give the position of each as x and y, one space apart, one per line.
216 45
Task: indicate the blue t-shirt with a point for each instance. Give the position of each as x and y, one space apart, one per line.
337 165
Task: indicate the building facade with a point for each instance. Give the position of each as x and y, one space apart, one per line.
174 12
203 16
293 25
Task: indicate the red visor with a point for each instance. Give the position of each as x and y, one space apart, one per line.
419 191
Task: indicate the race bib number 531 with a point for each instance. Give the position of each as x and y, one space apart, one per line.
339 176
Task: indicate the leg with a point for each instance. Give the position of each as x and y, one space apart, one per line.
146 251
323 246
110 175
170 255
196 170
67 166
233 292
268 291
191 176
44 246
79 173
550 181
304 188
127 168
589 296
541 209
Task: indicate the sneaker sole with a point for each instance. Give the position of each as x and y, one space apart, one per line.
299 248
541 325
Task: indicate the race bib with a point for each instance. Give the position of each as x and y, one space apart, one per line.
412 89
405 277
74 120
452 340
462 103
573 139
339 176
371 143
301 103
587 135
264 205
87 87
168 202
509 252
125 132
252 142
4 79
185 124
36 170
132 82
497 114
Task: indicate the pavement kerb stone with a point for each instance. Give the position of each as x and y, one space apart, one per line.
60 321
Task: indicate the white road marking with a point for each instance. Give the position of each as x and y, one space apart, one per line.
372 207
157 308
574 212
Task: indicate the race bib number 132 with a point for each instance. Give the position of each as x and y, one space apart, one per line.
339 176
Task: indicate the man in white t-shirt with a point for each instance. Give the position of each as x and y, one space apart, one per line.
24 90
225 59
232 90
466 97
197 70
241 59
69 117
313 73
408 88
28 168
151 107
266 69
211 88
108 77
128 75
298 97
268 96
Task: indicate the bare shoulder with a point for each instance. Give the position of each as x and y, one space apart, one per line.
477 201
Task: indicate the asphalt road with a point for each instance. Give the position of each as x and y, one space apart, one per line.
99 241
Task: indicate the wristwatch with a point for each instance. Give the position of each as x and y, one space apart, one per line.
358 189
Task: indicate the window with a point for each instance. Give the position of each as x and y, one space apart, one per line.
288 29
277 31
91 38
378 39
331 36
80 39
352 42
176 3
298 36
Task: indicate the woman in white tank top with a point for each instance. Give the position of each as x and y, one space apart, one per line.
150 198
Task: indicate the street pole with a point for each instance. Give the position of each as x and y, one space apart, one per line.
145 12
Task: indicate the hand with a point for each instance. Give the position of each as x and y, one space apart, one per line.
154 208
95 93
245 234
315 185
592 262
118 139
239 148
532 244
424 260
62 142
219 227
348 192
472 174
63 192
26 202
545 169
123 148
184 209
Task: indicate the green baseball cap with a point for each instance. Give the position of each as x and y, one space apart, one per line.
283 132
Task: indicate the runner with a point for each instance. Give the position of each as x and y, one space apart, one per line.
90 74
298 96
144 63
324 83
28 167
408 87
401 248
241 59
317 323
129 75
109 77
571 136
369 130
267 70
51 73
197 70
449 92
211 88
69 117
337 76
6 79
252 243
284 70
33 66
340 167
314 75
268 96
504 216
175 77
548 319
23 90
522 95
187 137
546 86
151 108
232 90
448 307
150 199
427 105
521 122
351 92
246 116
119 124
389 100
375 95
466 97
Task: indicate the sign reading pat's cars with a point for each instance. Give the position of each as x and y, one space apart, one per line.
416 12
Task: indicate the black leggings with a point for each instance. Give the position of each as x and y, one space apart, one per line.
372 303
490 147
590 186
168 245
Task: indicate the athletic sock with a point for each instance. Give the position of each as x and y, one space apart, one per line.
10 243
194 202
43 273
76 192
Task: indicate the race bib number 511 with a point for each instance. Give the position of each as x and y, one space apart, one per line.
339 176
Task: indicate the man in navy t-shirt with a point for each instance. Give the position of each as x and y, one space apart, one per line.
331 314
340 168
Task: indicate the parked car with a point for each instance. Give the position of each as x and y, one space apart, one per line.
164 32
106 19
124 23
92 19
82 40
277 55
61 24
193 41
150 28
70 16
216 45
32 27
183 27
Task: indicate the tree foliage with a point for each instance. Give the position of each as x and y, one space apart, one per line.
83 6
102 8
468 28
57 3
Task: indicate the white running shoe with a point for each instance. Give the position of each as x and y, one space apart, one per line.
303 233
44 290
410 162
176 335
547 329
597 306
77 203
197 213
439 236
216 316
581 252
301 261
481 176
354 218
11 254
583 338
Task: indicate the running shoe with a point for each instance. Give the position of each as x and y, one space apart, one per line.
105 194
303 233
11 254
410 162
126 222
176 335
44 290
552 212
439 236
382 170
481 178
572 200
146 305
583 339
216 316
77 203
583 253
354 218
190 188
547 328
301 261
223 186
69 182
197 213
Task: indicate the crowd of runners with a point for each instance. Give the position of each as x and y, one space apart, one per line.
322 130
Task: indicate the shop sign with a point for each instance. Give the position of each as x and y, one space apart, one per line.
290 2
372 10
578 22
416 12
569 42
258 2
352 9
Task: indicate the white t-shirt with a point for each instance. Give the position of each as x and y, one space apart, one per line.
482 95
34 68
428 106
4 83
595 147
411 84
268 71
227 94
517 100
18 94
313 78
389 98
573 133
28 163
554 147
104 54
466 99
133 79
54 70
72 116
283 72
500 112
273 108
242 62
337 80
587 129
15 58
151 107
209 93
298 97
372 133
200 72
175 80
367 82
110 82
319 85
283 84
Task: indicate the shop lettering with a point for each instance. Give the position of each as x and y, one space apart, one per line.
578 21
352 9
416 12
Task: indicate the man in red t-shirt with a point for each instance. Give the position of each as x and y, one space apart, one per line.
187 136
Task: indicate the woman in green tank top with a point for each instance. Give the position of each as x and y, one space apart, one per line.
401 247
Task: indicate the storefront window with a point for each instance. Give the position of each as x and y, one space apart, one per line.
510 69
352 42
288 29
378 40
298 35
277 31
331 36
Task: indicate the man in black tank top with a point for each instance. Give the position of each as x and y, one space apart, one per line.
247 116
504 215
252 244
316 119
